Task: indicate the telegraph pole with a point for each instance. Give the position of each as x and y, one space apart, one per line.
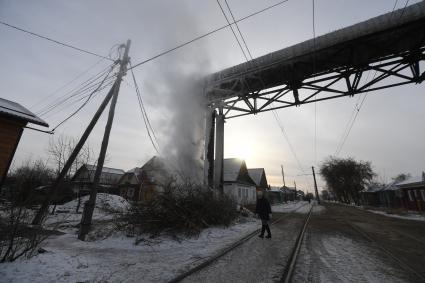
41 213
90 204
315 186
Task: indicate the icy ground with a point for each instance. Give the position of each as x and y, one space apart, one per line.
117 258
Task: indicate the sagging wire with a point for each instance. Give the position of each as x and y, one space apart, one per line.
148 125
87 100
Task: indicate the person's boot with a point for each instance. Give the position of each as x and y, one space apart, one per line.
269 234
263 228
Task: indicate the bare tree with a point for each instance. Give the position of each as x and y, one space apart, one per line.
17 238
60 148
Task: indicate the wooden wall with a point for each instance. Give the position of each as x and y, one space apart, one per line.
10 134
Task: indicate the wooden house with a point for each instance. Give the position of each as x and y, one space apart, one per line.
237 182
13 118
258 175
108 182
141 183
370 195
413 193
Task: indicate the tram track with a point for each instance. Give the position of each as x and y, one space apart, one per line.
287 271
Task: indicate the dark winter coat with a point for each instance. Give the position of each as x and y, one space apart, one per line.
263 208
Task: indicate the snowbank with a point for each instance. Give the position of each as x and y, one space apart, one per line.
66 218
416 217
290 206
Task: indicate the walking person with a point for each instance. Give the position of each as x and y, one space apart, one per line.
264 211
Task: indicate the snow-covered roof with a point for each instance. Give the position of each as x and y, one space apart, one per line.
418 180
256 174
392 186
106 169
373 189
231 169
15 110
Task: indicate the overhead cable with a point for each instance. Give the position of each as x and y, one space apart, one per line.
276 116
358 106
145 117
206 34
55 41
86 101
234 34
82 88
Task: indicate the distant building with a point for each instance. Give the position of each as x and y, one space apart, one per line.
84 177
237 183
413 192
13 118
141 183
258 175
289 193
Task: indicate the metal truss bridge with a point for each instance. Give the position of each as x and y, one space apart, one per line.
382 52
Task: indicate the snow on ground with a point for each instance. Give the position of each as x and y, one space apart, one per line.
66 218
116 258
290 206
336 258
412 216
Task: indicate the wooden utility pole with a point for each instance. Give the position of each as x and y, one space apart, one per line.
90 204
283 176
315 186
41 213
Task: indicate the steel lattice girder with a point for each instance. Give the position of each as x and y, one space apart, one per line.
388 73
330 66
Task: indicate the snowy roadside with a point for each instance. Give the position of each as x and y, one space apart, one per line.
417 217
411 215
117 258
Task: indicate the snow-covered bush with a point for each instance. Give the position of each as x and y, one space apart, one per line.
180 209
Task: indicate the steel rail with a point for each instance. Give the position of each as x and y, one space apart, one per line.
290 265
226 250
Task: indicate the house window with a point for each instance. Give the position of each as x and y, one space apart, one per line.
410 195
423 195
239 192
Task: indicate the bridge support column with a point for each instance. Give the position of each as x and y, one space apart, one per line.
219 152
210 115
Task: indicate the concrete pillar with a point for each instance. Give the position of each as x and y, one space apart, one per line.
219 152
209 147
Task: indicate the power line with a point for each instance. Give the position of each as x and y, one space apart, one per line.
108 83
206 34
237 26
357 107
84 87
55 41
66 84
234 34
145 117
279 123
87 100
314 71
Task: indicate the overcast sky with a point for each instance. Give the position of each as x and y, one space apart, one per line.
389 130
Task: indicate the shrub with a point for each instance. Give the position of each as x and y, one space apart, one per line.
180 209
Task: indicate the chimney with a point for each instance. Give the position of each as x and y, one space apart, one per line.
423 176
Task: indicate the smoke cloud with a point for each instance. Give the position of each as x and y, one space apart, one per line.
179 91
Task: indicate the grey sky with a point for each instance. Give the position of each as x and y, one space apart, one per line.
388 131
